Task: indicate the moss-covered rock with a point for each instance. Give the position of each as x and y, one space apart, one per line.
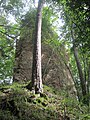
18 103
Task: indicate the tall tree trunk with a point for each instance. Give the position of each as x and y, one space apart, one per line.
88 85
83 84
79 67
36 67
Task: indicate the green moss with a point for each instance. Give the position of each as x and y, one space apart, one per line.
18 103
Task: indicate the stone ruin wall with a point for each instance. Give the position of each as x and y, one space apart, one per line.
54 70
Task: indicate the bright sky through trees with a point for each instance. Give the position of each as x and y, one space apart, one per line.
58 23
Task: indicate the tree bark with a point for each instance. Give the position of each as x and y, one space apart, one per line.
36 67
88 85
83 84
79 67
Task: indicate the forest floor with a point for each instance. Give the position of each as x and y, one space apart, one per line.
18 103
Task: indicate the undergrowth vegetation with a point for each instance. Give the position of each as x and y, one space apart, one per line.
18 103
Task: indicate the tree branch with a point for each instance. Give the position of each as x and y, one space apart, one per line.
5 33
6 26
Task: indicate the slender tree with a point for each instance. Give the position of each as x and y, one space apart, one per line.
80 71
36 67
